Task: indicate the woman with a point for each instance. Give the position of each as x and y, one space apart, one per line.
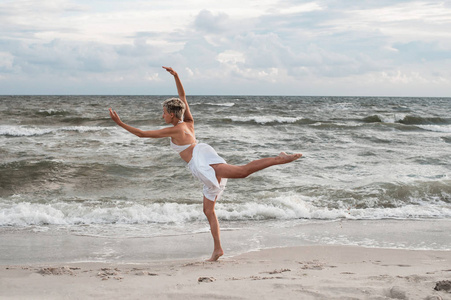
203 161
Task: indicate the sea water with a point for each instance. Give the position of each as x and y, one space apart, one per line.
374 170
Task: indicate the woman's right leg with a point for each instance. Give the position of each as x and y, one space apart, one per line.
209 211
232 171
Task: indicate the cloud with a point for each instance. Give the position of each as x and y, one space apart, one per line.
209 23
286 47
230 56
6 62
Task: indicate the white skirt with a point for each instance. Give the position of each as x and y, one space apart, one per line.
204 156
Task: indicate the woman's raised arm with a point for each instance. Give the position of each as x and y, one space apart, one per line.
187 117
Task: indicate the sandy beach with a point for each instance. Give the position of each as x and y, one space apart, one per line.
307 272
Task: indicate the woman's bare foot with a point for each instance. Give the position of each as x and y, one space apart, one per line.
286 158
216 255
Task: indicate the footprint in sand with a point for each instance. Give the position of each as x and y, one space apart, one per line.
206 279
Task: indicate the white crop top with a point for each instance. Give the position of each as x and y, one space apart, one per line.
179 148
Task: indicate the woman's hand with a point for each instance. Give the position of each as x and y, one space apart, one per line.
170 70
115 117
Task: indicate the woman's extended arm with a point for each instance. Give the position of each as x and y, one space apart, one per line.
187 117
160 133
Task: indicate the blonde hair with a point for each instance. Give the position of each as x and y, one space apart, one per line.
175 106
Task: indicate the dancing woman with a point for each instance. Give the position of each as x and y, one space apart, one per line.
203 161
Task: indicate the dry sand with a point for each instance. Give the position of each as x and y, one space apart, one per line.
308 272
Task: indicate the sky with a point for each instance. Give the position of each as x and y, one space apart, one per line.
233 47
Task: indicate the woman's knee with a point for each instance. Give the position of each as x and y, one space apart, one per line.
209 208
231 171
209 212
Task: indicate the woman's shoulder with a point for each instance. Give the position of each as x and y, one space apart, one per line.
188 127
188 124
181 127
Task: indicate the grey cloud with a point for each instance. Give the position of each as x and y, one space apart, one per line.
199 53
344 5
61 56
207 22
418 51
326 44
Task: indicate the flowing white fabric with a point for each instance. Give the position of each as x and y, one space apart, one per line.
204 156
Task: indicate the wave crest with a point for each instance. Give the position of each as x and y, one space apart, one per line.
125 212
269 120
18 131
406 120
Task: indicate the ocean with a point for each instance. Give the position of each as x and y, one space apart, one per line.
375 172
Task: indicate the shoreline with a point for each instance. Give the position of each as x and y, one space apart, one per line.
65 244
306 272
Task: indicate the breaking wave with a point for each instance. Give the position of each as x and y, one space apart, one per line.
283 207
406 120
18 131
270 120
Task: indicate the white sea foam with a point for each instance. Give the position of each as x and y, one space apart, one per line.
82 129
23 131
265 119
394 118
51 111
227 104
285 208
8 130
436 128
25 213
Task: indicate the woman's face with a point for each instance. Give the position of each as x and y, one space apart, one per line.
167 116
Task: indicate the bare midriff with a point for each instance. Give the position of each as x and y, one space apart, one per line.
187 154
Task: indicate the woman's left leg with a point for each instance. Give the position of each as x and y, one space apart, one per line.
209 211
232 171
